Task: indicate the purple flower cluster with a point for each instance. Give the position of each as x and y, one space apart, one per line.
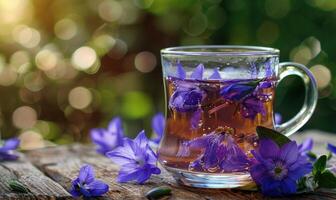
248 95
7 150
220 153
86 184
277 169
136 159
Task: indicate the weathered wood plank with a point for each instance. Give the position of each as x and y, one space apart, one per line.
62 165
40 186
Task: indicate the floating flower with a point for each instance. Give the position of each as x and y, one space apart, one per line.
277 169
186 98
110 138
7 150
136 159
215 75
158 125
251 106
236 92
86 184
220 153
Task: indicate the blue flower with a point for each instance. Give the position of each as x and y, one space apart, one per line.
277 169
136 159
7 150
198 72
158 125
110 138
215 75
86 185
220 153
331 148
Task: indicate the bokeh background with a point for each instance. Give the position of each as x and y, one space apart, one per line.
67 66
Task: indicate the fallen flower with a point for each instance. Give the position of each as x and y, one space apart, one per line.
7 150
110 138
277 169
86 185
136 159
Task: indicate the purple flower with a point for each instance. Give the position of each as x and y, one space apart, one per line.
7 150
186 98
158 125
86 185
235 92
277 118
110 138
220 153
306 146
195 119
198 72
331 148
136 159
251 106
180 71
277 169
215 75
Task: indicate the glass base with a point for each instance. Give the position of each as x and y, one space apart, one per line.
208 180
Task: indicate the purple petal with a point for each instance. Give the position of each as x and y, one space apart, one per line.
268 149
215 75
306 146
115 126
86 174
10 144
288 186
180 71
196 117
270 187
265 84
8 156
74 190
258 172
158 125
141 140
331 148
122 155
198 72
97 188
289 152
277 118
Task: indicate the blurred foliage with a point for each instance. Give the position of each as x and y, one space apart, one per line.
69 65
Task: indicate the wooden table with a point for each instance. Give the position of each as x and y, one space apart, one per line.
48 173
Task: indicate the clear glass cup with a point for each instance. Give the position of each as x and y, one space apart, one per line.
216 96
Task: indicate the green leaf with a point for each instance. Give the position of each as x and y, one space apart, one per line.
158 192
329 155
312 155
327 180
320 165
266 133
17 186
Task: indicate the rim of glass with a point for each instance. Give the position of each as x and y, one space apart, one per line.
214 50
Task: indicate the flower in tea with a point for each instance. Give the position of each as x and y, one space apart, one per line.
235 92
186 98
251 106
110 138
195 119
215 75
220 153
136 159
277 169
198 72
7 149
158 125
86 184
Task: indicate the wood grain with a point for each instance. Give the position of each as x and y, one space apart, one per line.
40 186
62 165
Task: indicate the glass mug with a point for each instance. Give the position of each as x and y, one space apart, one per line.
216 96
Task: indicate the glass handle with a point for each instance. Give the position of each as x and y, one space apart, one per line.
310 100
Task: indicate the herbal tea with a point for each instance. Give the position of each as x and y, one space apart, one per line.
211 123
